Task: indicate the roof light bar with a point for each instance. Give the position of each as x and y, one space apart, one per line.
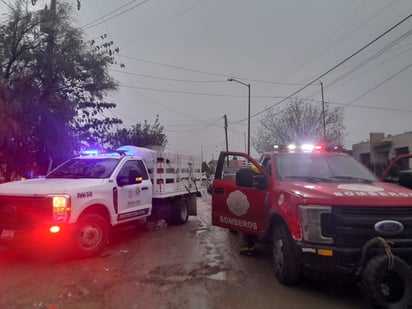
306 148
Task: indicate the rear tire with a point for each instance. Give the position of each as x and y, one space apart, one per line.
92 235
285 256
180 212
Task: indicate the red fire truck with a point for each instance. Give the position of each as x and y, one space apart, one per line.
324 212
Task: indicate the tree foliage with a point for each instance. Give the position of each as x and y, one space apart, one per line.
52 86
299 122
141 135
205 168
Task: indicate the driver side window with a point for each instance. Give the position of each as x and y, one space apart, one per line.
136 165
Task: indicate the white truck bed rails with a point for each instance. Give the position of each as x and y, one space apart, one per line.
172 174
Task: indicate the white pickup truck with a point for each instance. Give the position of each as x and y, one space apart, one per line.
81 200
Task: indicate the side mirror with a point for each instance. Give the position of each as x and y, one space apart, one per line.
135 177
405 178
245 177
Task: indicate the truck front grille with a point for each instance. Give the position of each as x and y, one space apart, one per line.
352 226
24 212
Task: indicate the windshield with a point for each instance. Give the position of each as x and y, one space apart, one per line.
85 168
321 168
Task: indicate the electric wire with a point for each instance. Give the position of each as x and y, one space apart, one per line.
333 68
168 79
378 85
226 76
325 48
88 26
317 47
371 58
356 67
107 14
195 93
165 23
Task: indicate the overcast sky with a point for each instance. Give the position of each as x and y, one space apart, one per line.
178 55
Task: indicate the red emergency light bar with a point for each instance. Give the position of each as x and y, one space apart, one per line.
306 148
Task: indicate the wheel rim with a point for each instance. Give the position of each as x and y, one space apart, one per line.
90 236
278 254
392 287
183 211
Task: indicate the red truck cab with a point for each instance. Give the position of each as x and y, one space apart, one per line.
321 209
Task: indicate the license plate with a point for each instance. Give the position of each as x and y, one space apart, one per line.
7 234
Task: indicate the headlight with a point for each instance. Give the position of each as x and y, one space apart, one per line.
310 218
61 207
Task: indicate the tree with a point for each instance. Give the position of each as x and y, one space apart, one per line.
141 135
55 83
205 168
299 122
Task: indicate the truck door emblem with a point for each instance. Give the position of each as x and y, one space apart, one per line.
237 203
389 227
9 209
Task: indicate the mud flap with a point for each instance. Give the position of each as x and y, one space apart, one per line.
192 207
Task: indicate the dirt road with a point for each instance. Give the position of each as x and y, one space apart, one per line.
194 265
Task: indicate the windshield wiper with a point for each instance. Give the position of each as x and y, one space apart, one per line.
309 178
353 179
66 175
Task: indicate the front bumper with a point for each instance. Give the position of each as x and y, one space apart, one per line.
330 259
41 234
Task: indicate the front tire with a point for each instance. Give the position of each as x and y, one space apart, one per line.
92 235
387 288
285 256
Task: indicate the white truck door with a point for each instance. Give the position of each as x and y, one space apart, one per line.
134 195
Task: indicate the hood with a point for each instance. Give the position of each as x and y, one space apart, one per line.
374 194
44 186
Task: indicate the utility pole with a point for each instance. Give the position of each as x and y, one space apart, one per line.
49 27
323 113
227 143
248 110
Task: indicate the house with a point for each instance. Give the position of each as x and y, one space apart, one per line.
380 150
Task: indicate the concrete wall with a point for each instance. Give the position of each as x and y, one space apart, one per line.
381 149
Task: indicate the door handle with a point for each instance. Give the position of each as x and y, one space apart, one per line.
145 188
219 190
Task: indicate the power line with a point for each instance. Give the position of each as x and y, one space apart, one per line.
357 67
101 20
107 14
165 23
226 76
373 57
319 46
195 93
378 85
169 79
334 67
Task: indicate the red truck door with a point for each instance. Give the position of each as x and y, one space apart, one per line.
240 194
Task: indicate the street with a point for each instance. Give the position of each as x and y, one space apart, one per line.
195 265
